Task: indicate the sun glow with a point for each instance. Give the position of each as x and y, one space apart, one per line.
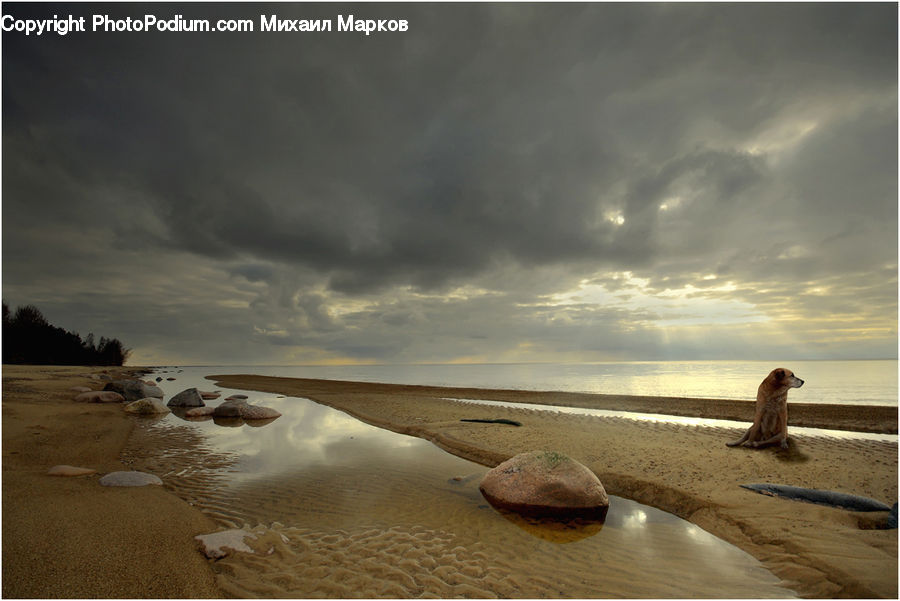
684 306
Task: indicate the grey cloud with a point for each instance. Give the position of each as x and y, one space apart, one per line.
492 145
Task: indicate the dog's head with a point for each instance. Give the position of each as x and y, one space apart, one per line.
784 378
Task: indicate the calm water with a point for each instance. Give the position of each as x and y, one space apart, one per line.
344 493
848 382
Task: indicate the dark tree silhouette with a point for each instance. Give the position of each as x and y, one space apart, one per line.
29 338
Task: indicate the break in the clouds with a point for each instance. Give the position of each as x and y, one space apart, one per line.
501 182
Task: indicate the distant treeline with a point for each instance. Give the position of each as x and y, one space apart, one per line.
29 338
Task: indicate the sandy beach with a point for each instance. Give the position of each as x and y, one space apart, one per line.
817 551
71 537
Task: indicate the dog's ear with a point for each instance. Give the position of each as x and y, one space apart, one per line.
779 375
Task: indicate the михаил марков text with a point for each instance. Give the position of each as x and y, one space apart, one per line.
147 23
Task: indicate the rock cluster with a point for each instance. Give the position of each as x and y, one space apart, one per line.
144 398
134 390
546 484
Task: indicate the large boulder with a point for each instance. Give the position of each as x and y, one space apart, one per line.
240 408
252 412
546 484
230 408
147 406
99 396
134 390
187 398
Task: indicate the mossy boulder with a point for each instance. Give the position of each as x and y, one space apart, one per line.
187 398
147 406
546 484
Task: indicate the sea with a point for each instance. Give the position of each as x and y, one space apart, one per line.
861 382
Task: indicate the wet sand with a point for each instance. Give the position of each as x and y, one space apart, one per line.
70 537
817 551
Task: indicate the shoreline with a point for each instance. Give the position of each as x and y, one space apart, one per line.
877 419
70 536
817 551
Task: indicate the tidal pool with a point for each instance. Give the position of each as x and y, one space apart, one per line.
364 512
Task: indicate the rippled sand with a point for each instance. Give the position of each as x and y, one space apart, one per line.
817 551
404 521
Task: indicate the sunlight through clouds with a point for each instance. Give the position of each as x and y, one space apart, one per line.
683 306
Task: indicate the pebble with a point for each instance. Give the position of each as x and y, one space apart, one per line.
129 479
100 396
214 545
68 470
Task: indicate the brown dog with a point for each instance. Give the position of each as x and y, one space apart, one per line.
770 424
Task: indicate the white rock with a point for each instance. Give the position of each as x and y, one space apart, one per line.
214 545
68 470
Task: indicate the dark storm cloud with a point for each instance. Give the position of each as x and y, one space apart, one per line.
321 169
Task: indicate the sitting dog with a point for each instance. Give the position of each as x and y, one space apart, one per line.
770 424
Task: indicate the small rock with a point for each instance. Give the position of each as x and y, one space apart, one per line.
237 397
129 479
254 412
209 396
159 379
214 545
187 398
100 396
199 412
81 389
170 379
68 470
147 406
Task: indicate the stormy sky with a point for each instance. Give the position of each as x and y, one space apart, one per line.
501 182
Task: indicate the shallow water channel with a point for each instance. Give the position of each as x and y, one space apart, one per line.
345 509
